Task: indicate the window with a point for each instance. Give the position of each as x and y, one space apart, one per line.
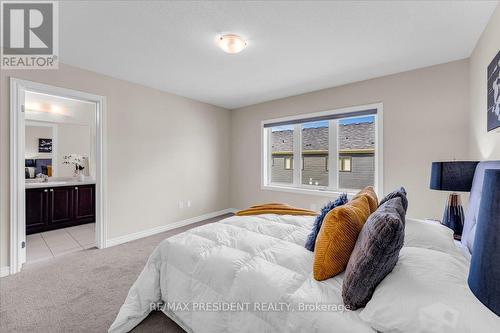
325 146
281 140
314 151
345 164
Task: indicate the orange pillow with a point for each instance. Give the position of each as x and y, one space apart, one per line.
337 237
370 194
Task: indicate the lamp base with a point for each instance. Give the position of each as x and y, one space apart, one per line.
453 216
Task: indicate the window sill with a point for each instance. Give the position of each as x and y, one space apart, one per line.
308 191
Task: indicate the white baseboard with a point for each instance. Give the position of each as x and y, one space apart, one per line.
4 271
167 227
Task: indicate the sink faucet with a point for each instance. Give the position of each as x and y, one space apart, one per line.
43 177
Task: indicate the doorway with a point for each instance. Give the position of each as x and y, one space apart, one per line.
57 170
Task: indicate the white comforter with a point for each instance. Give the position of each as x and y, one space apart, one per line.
256 267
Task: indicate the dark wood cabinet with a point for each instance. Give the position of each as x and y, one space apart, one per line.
85 204
37 208
59 207
61 202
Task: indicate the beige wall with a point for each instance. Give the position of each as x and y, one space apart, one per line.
31 136
483 145
179 146
425 120
73 139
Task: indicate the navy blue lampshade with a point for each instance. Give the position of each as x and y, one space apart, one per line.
452 176
484 274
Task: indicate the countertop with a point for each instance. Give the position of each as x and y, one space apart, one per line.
59 183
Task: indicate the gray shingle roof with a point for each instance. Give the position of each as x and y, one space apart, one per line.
357 136
282 140
352 136
315 138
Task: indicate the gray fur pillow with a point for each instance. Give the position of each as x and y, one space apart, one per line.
375 254
401 193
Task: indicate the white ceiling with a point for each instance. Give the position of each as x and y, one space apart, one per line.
294 47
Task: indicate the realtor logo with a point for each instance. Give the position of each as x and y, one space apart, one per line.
29 34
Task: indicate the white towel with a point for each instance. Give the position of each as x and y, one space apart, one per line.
30 171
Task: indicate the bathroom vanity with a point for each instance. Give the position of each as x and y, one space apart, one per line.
59 204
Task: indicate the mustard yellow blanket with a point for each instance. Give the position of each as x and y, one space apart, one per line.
275 208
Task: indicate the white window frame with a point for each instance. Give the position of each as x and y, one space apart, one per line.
333 173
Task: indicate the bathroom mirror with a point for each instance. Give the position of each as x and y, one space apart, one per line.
57 128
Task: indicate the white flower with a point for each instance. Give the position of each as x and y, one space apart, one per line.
74 159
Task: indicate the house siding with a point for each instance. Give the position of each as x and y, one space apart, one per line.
314 170
362 174
278 172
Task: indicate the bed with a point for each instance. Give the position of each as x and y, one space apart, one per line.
253 274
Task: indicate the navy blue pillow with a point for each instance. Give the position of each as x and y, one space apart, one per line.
399 193
311 239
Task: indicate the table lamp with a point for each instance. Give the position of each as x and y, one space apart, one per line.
453 176
484 273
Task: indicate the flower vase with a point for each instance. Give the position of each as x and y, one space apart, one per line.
79 176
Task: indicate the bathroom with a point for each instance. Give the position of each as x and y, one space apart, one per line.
60 173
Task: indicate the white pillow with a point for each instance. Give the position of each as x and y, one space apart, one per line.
430 235
427 292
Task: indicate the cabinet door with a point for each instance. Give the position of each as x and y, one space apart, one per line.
85 203
36 209
61 205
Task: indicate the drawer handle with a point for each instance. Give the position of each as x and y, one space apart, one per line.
45 191
76 188
51 190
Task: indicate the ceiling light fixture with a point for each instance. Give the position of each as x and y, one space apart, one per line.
231 44
56 109
44 107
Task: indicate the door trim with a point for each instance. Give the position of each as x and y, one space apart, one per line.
17 200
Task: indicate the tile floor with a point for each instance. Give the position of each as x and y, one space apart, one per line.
50 244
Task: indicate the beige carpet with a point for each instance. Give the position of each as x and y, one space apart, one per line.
81 291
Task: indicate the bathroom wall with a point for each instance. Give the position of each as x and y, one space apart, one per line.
32 134
73 139
66 139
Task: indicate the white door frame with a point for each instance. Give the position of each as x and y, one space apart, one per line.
17 198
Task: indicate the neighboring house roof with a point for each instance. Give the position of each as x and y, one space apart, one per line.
358 136
315 138
282 141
